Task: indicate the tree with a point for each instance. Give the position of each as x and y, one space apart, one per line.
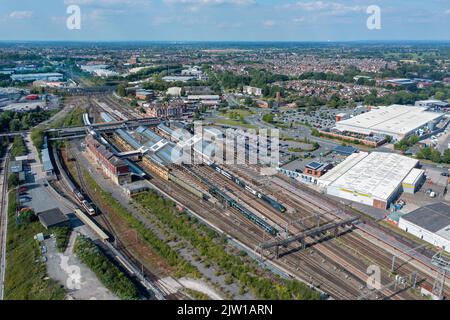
15 125
315 132
13 180
446 156
268 118
435 156
121 91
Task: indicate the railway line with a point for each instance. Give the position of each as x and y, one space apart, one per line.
356 268
326 278
303 206
274 216
121 110
66 189
240 228
360 241
103 220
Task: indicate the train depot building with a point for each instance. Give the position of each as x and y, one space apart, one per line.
374 179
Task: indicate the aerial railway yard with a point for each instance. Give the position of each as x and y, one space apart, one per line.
335 265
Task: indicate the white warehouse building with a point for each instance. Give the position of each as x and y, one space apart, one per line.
373 179
397 121
430 223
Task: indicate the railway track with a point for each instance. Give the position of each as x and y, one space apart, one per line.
357 268
359 242
129 114
103 220
330 251
327 279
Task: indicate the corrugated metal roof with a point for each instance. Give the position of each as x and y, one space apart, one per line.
433 217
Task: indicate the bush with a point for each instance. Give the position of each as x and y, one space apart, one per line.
18 147
13 180
62 235
110 275
37 137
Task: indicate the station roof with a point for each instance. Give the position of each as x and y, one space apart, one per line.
47 163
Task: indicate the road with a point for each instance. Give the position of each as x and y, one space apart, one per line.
3 220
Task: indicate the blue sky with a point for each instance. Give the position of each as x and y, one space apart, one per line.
200 20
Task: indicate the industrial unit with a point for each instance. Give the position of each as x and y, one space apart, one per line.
397 121
430 223
413 181
372 179
37 76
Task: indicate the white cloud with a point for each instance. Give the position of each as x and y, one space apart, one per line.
198 3
269 23
299 20
108 3
447 12
327 7
20 15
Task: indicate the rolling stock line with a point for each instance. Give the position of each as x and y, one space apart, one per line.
249 215
120 109
212 183
311 261
275 204
86 120
115 113
219 180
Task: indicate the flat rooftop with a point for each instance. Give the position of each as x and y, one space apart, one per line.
395 119
378 174
413 176
434 218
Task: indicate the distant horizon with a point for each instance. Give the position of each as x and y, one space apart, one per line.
229 41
